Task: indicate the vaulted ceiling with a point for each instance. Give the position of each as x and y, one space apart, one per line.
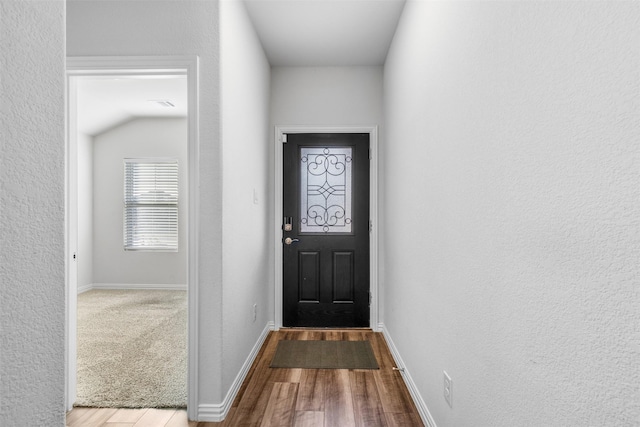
103 103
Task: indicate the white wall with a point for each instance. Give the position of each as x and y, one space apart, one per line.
326 96
139 138
85 211
247 266
512 159
157 27
32 262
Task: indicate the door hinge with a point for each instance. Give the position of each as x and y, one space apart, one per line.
370 226
370 154
283 138
370 298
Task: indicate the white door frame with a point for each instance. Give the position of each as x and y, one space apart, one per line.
281 130
121 66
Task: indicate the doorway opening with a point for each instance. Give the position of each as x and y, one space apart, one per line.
121 109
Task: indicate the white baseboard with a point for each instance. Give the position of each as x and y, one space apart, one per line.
210 413
218 412
427 419
133 286
85 288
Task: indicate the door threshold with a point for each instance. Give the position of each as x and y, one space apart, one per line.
332 328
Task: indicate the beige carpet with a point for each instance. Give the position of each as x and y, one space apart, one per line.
132 349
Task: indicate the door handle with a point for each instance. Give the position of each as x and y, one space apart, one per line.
289 241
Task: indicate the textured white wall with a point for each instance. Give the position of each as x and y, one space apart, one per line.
167 27
140 138
247 272
32 213
513 162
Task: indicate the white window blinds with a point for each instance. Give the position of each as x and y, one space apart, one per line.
151 205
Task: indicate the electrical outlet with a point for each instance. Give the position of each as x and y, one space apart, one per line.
448 384
255 312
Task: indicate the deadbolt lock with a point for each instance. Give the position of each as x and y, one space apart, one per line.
288 223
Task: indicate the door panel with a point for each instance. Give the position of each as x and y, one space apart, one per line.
309 276
343 284
326 230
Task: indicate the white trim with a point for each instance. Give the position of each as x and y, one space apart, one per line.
218 412
129 65
71 245
427 419
142 65
280 131
210 412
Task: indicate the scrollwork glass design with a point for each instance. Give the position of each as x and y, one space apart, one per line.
326 182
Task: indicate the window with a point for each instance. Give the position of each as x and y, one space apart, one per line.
151 205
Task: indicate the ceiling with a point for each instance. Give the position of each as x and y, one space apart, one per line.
292 32
325 32
103 103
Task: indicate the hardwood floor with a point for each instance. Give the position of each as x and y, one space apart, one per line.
292 397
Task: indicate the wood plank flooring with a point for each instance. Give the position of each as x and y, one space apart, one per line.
292 397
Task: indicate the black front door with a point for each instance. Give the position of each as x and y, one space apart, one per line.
326 230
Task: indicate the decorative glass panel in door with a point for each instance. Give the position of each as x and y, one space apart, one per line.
325 190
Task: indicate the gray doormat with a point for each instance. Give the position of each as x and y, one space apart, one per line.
324 355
